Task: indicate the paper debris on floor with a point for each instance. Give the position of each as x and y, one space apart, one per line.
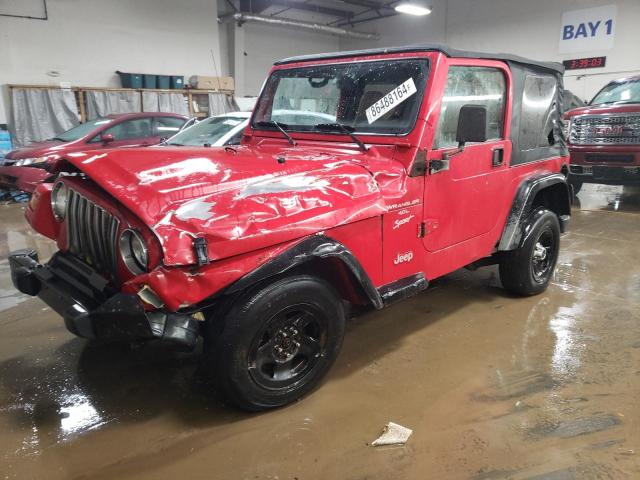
393 434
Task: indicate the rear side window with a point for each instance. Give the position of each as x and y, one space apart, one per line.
167 126
537 111
476 86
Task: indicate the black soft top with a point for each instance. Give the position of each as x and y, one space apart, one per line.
426 47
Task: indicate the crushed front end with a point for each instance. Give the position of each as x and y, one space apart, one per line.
90 308
82 282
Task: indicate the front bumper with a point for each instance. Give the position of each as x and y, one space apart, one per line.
23 178
90 308
605 174
606 164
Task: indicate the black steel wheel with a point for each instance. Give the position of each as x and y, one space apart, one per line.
276 342
544 254
289 346
529 269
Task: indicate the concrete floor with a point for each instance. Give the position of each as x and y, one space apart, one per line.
494 387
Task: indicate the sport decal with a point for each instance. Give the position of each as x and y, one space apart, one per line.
401 221
391 100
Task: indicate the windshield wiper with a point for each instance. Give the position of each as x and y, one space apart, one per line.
59 139
279 126
341 127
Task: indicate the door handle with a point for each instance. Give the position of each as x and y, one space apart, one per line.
497 157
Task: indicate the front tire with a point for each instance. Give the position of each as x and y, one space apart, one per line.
276 342
577 186
528 270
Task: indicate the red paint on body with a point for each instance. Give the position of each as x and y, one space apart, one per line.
250 206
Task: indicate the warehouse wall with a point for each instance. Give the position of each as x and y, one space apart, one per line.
86 41
258 46
524 27
532 29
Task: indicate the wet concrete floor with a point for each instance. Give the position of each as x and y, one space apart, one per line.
494 387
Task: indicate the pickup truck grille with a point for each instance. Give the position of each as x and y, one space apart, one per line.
619 129
92 233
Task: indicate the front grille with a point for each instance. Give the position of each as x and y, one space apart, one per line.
619 129
92 233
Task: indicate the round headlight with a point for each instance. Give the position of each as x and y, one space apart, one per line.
59 199
134 252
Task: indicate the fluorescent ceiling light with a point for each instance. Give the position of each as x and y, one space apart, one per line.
412 9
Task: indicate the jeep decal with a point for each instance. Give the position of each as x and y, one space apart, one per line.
403 258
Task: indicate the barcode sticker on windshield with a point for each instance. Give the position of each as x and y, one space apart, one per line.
391 100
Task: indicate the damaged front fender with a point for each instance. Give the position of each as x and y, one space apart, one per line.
185 288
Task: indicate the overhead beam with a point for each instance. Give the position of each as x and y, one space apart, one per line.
383 10
370 4
241 18
364 20
254 6
333 12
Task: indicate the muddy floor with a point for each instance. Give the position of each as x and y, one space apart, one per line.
494 387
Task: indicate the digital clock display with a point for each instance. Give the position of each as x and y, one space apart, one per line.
591 62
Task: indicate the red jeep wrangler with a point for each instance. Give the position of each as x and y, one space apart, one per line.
604 136
362 177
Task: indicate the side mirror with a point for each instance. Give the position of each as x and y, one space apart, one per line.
107 138
472 124
472 127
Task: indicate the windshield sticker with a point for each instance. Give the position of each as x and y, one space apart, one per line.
391 100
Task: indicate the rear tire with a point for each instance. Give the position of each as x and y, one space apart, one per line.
528 270
276 342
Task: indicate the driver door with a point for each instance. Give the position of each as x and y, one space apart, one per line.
460 201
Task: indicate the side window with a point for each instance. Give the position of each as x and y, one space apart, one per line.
471 85
167 126
135 128
537 112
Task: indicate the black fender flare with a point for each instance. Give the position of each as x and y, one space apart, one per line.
315 247
516 226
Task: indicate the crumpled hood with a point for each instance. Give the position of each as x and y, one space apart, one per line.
238 199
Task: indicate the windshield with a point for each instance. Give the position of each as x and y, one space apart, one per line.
81 130
208 131
379 97
618 92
